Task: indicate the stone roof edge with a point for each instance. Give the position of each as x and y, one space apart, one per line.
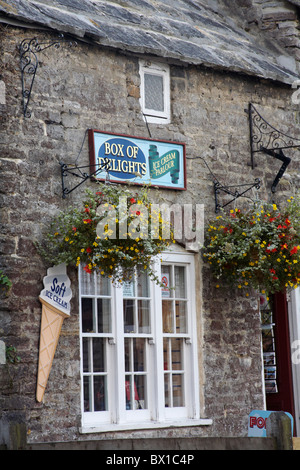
282 76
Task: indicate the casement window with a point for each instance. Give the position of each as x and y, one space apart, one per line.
139 363
155 92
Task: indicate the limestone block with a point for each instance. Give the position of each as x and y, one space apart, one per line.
2 353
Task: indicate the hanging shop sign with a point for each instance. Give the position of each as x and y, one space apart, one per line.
55 299
139 160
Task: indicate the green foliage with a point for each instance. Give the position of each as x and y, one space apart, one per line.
110 233
12 356
257 248
5 283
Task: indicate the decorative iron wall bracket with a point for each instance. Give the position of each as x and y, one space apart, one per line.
218 187
29 49
266 138
75 170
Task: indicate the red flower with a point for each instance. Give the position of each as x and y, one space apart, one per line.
87 209
87 221
132 200
99 193
294 250
88 250
87 269
272 271
74 229
138 212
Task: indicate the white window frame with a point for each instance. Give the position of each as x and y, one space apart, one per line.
162 70
157 415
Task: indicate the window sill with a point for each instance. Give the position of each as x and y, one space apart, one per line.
138 426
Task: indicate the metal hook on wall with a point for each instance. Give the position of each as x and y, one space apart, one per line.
29 50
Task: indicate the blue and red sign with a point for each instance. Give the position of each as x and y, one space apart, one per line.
139 160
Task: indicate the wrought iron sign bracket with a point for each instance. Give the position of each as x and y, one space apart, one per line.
75 170
266 138
29 50
232 191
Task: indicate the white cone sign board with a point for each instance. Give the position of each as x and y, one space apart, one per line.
55 299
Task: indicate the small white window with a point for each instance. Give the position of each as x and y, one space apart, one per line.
139 349
155 92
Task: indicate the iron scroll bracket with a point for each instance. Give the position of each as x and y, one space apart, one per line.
29 50
232 191
269 140
75 170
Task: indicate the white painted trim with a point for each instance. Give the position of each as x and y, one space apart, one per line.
156 415
152 425
162 70
294 329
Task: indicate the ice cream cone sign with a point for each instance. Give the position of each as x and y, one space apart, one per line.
55 299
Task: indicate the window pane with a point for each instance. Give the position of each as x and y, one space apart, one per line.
144 316
129 289
166 354
128 358
102 285
177 363
100 393
135 392
142 283
86 355
139 354
180 290
140 392
168 317
99 355
87 393
104 316
129 315
167 391
177 380
166 279
87 283
87 307
181 320
128 392
154 92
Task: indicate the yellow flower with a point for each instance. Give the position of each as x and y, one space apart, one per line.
274 207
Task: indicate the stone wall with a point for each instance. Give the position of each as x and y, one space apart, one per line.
89 87
276 22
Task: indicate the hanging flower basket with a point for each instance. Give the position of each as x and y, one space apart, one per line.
258 248
115 230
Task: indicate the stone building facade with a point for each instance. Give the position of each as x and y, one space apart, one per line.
94 85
